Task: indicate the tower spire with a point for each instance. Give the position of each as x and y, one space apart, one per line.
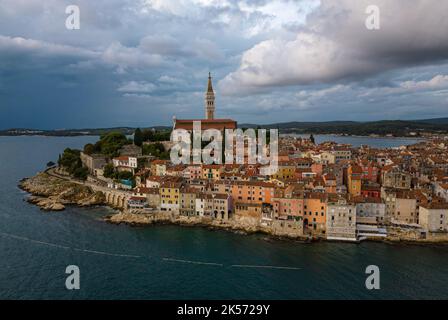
209 100
209 87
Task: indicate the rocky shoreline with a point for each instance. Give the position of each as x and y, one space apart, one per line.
51 193
142 219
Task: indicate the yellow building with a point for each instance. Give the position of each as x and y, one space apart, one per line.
314 212
354 173
170 196
286 170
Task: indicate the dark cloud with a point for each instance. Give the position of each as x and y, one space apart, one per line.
335 45
138 63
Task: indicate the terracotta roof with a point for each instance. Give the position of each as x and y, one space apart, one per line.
122 158
219 124
143 189
433 205
158 161
361 199
137 198
205 120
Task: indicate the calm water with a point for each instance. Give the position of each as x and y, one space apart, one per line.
36 247
359 141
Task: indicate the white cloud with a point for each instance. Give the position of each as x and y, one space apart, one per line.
336 45
170 80
137 95
124 57
115 54
437 82
137 87
30 46
286 59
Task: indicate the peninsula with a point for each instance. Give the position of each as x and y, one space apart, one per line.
325 191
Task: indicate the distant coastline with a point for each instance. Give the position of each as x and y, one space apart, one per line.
130 132
72 132
372 129
354 136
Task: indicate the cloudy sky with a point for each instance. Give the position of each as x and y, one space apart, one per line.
139 62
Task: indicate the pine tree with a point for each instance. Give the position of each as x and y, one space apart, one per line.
138 137
312 139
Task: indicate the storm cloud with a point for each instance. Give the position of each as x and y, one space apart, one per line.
138 63
335 45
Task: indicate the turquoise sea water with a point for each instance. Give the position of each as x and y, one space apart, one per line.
167 262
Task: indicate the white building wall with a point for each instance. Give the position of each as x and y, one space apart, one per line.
341 222
433 219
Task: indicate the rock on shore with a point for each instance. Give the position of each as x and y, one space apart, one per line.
53 194
240 227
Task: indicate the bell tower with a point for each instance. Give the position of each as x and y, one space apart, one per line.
209 100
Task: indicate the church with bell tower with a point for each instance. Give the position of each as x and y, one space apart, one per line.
209 100
210 122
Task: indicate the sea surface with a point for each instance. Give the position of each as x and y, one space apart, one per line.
172 262
357 141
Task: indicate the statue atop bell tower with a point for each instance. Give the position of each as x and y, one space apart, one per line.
209 100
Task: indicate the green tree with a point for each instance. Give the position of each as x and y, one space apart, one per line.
89 148
155 149
147 135
152 135
108 170
81 173
70 160
110 143
138 137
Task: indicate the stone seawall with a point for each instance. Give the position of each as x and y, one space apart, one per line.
239 226
396 234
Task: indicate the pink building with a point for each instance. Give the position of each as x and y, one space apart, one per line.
194 172
288 208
